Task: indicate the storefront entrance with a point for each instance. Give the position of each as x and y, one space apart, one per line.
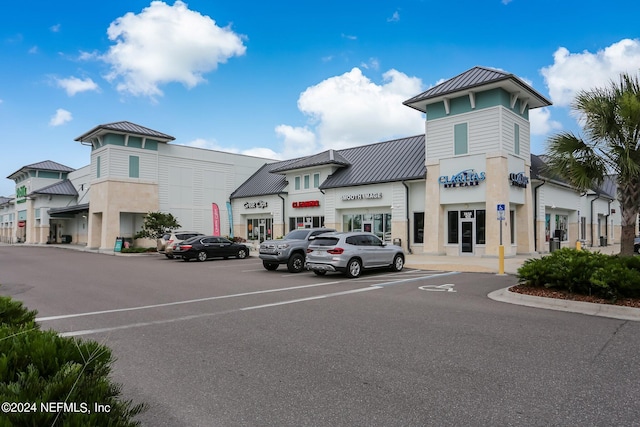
467 222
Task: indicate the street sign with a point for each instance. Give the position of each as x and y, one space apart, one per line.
500 208
501 212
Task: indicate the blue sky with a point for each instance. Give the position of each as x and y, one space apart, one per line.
283 79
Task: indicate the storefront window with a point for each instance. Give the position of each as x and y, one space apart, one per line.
481 227
305 222
379 224
452 227
260 229
512 218
561 227
547 227
418 227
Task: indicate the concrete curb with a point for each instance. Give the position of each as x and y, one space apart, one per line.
592 309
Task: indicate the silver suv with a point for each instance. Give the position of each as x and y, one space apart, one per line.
352 252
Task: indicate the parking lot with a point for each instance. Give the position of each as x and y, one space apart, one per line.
225 342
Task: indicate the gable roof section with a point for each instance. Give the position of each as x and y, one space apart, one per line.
329 157
124 127
263 181
62 188
539 171
46 165
4 200
475 78
389 161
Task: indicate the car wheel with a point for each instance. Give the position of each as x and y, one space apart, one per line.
319 272
398 263
271 266
354 268
169 256
296 263
202 256
242 254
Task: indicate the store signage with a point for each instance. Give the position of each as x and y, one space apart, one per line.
306 204
518 180
21 194
361 196
466 178
21 224
253 205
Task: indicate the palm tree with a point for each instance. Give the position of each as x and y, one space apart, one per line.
610 118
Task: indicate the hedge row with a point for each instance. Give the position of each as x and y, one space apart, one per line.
42 368
584 272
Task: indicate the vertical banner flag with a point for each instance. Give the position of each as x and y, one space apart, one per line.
230 219
216 219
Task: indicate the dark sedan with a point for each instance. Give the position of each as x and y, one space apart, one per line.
205 247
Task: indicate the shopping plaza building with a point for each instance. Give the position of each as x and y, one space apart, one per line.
466 186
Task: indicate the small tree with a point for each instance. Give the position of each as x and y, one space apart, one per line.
156 224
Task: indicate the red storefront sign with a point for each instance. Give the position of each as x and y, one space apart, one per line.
306 204
22 223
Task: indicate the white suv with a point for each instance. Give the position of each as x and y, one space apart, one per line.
170 238
352 252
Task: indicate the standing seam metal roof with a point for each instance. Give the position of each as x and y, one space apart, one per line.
47 165
62 188
126 127
477 76
396 160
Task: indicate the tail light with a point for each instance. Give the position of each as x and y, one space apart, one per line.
185 247
335 251
170 241
309 250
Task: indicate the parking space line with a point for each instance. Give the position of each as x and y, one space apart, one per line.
414 279
168 304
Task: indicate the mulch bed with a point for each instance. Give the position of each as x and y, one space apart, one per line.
560 294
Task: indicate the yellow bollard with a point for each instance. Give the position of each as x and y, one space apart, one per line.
501 259
578 245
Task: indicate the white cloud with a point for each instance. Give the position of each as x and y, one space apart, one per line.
572 72
75 85
395 17
373 64
351 110
505 2
55 28
61 117
33 50
165 44
541 123
349 37
298 141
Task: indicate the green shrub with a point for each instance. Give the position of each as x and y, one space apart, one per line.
42 367
137 250
584 272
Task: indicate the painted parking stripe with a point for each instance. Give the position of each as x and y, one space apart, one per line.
415 279
168 304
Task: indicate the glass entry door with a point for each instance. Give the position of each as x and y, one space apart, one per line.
466 241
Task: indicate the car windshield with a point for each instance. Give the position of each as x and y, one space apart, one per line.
297 235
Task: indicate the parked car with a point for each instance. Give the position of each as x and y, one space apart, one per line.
205 247
290 250
352 252
169 239
636 244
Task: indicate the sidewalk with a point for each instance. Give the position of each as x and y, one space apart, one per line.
475 264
